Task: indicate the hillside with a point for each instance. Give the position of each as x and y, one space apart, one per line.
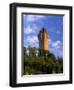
42 64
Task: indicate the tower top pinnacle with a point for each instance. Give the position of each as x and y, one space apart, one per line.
43 30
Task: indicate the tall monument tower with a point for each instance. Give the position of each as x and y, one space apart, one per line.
43 39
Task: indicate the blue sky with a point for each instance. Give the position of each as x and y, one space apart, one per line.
32 24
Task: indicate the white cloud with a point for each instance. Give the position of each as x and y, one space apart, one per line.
32 38
49 41
28 30
32 41
32 27
56 51
56 48
57 44
32 18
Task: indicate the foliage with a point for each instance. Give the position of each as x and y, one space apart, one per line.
45 63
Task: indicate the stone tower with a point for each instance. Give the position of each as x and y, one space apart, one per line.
43 39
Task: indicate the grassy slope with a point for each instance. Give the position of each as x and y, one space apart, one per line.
42 65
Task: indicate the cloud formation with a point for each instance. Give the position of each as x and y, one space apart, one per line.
54 26
32 41
28 30
57 44
56 48
32 18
